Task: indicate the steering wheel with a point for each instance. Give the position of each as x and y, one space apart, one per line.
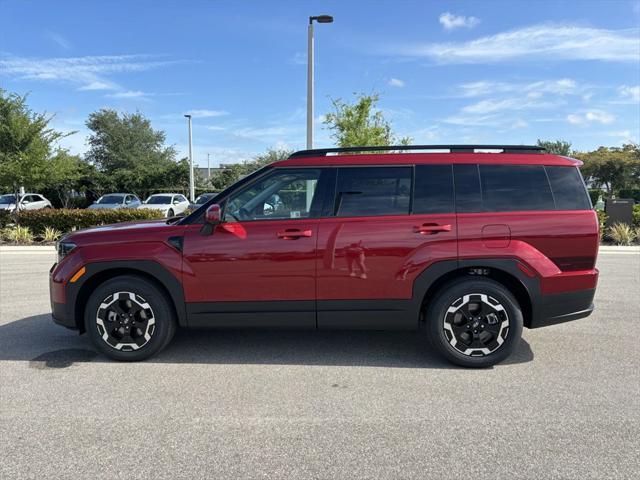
244 214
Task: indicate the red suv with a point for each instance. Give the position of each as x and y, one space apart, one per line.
468 246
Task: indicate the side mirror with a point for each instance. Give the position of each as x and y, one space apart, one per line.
212 218
213 214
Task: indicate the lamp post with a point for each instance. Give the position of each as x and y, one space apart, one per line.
319 19
192 186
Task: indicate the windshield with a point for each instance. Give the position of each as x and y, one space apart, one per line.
7 198
111 199
202 199
158 200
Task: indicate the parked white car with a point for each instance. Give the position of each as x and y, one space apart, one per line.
116 200
28 201
171 204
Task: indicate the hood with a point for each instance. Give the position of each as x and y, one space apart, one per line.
164 206
128 232
99 206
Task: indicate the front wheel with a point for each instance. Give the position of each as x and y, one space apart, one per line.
128 318
170 213
474 322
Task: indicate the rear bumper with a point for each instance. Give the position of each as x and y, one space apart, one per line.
564 307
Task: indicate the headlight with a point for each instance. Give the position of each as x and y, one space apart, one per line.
64 249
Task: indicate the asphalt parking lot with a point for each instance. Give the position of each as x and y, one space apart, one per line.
318 405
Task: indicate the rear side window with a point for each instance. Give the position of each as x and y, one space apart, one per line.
433 189
368 191
568 188
508 188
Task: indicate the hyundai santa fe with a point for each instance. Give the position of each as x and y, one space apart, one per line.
466 244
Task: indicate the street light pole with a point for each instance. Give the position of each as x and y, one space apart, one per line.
192 186
310 79
208 168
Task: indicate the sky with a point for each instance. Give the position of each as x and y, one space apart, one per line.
488 72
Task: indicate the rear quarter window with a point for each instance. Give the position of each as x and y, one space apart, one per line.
568 188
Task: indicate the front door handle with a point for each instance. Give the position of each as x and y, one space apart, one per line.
431 228
293 234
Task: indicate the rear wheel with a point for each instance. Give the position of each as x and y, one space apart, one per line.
474 322
128 318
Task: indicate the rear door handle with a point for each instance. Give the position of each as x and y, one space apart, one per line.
293 233
431 228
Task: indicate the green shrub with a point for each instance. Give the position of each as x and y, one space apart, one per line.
630 193
18 234
622 234
5 218
636 216
50 234
67 220
594 194
602 220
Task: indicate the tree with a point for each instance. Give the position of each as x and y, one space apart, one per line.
29 153
558 147
232 173
130 155
361 124
613 168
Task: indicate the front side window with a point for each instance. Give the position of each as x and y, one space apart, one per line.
283 194
369 191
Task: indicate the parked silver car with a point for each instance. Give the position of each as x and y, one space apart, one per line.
116 200
170 204
28 201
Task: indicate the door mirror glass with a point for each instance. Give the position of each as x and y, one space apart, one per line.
213 215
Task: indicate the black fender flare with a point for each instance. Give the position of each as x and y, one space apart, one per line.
76 295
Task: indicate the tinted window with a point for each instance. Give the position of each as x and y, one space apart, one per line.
508 188
370 191
467 183
111 199
568 188
433 189
159 200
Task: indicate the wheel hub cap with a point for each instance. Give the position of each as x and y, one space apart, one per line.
476 324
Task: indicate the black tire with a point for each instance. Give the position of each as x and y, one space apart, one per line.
101 321
457 335
170 213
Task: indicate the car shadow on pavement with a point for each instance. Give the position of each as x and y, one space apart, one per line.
45 345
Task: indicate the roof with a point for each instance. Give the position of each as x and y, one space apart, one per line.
429 158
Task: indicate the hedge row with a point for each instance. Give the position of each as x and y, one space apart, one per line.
67 220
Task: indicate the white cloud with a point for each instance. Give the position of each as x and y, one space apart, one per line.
494 105
206 113
130 94
299 58
450 21
88 73
59 40
563 86
396 82
548 42
215 128
592 116
630 93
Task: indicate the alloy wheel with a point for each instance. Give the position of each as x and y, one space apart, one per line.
125 321
476 324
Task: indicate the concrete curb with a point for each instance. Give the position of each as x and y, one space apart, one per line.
619 249
27 248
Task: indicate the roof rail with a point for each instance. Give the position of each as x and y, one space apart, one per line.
321 152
